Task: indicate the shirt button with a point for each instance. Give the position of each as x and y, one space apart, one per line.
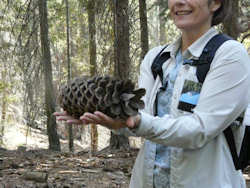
186 67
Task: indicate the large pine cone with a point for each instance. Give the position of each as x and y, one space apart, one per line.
114 97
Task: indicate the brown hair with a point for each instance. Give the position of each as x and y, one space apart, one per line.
223 12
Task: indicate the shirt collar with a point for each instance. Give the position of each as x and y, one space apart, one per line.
196 48
173 47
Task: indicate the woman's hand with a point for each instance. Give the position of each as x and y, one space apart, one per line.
99 118
63 116
106 121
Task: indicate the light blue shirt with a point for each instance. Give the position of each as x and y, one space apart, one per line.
162 159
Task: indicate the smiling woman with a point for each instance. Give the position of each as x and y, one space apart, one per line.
193 17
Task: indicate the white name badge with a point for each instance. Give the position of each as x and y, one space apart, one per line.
246 120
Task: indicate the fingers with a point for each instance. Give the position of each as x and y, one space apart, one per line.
130 122
110 122
90 118
74 121
96 118
69 120
63 116
93 118
63 113
102 116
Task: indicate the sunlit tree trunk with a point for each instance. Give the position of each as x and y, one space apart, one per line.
162 22
54 143
144 27
3 105
4 95
70 127
92 59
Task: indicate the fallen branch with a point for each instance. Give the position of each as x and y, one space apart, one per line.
36 176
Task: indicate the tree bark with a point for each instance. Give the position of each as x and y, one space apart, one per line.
92 59
4 95
121 56
3 104
54 143
122 59
70 127
231 25
162 22
144 27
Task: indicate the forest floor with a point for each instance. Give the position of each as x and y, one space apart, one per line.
34 167
26 163
43 168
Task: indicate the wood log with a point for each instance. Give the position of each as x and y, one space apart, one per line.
36 176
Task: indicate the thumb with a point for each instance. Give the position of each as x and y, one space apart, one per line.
131 122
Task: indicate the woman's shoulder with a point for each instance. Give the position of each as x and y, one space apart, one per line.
233 49
232 52
233 46
154 51
151 54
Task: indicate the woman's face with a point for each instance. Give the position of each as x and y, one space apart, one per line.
192 14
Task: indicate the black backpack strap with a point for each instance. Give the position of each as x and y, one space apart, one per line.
232 146
203 66
204 61
161 58
245 151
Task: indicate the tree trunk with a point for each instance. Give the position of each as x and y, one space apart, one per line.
30 68
162 22
3 105
92 57
83 29
144 27
4 94
122 60
70 127
121 56
231 25
54 143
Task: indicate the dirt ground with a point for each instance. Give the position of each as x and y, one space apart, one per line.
43 168
25 166
47 169
25 163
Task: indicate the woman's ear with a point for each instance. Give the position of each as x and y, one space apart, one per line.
215 5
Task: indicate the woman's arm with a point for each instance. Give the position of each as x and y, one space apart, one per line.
224 95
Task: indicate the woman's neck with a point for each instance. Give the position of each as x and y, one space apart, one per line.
189 37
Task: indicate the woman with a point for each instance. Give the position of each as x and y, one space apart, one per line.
183 149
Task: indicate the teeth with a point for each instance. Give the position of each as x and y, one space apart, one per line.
183 12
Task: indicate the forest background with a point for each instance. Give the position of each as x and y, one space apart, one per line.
44 44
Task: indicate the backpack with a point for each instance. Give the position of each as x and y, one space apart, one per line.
242 160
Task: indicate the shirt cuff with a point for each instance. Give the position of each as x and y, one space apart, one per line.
145 125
